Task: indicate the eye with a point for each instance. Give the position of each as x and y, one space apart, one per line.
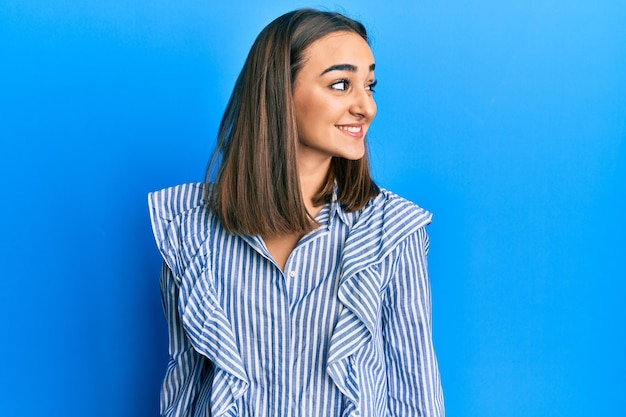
372 86
341 85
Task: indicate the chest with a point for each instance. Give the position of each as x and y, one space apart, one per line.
247 276
280 247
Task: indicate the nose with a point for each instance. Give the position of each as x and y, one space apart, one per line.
363 105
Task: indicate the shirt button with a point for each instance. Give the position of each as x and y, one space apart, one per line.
292 274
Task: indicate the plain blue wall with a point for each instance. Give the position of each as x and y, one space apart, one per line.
506 119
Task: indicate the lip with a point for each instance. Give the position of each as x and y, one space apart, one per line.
352 130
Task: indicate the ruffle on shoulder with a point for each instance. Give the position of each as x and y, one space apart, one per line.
181 225
382 225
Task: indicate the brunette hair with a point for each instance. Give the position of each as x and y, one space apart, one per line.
257 188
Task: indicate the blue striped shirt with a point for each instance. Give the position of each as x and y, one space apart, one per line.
345 330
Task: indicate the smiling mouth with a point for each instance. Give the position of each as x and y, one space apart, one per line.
352 129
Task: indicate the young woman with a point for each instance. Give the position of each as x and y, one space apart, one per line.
293 286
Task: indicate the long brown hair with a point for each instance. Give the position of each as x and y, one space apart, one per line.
257 188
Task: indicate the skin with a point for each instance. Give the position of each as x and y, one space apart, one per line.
334 108
334 105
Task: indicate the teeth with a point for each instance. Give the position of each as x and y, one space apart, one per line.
351 129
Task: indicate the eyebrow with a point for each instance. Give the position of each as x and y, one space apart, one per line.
344 67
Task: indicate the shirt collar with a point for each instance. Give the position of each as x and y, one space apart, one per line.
326 216
336 210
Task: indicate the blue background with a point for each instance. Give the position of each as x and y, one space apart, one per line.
506 119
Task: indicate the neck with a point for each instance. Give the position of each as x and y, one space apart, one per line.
312 178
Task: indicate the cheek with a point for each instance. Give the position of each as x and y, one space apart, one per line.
301 111
315 114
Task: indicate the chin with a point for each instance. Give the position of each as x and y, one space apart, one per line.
353 156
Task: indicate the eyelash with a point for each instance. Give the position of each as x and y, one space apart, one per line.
370 87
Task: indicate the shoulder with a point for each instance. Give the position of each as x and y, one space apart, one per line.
391 216
393 208
381 226
180 220
174 201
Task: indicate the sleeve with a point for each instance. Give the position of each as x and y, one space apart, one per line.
414 386
187 370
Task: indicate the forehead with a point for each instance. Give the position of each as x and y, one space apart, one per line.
339 48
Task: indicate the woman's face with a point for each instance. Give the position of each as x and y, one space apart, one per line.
332 94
